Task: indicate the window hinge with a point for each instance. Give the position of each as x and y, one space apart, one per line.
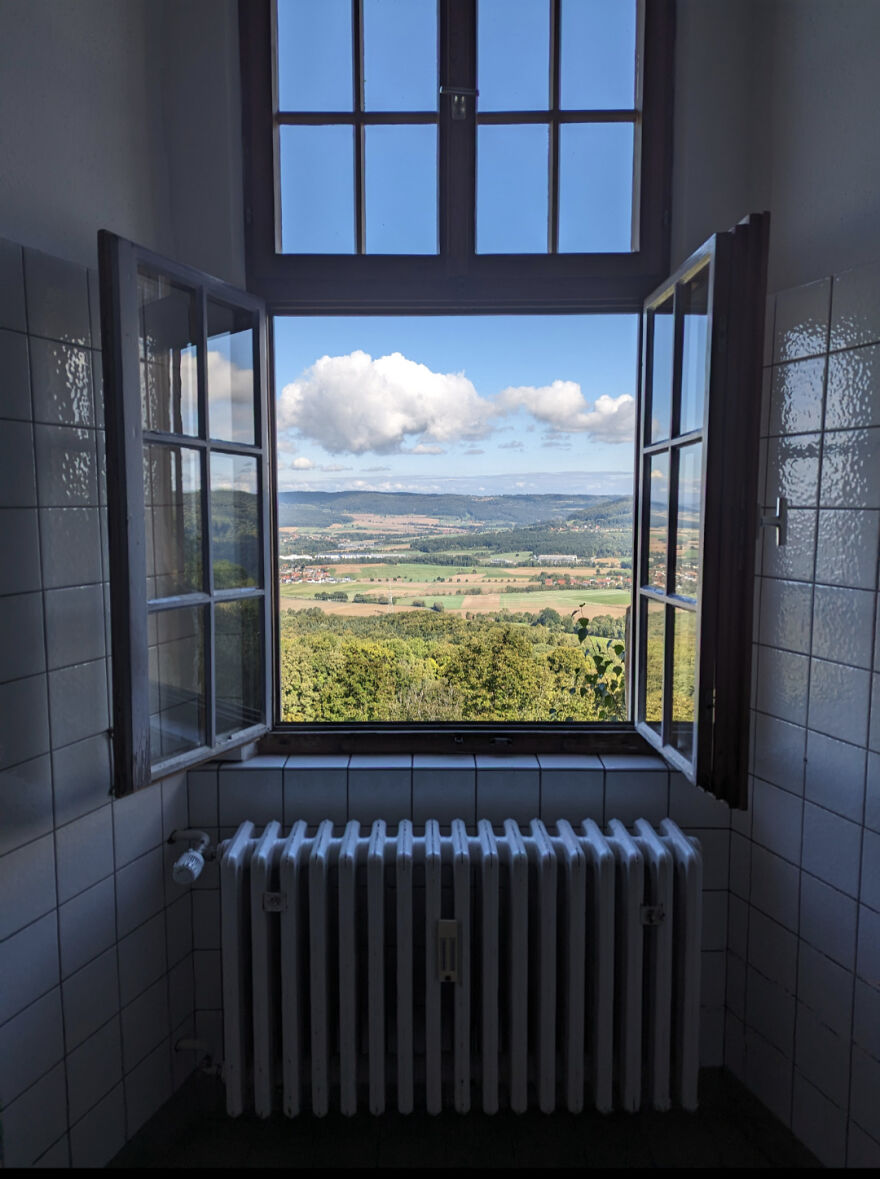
460 95
777 521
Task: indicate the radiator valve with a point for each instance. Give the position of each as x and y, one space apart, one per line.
188 867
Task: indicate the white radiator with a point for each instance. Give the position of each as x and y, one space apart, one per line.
380 968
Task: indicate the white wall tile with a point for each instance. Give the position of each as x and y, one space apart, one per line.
315 793
147 1088
714 932
772 950
181 994
822 1056
100 1135
137 824
74 625
770 1010
57 1157
57 298
740 865
89 997
862 1150
850 469
842 623
250 792
18 482
78 706
711 1037
793 560
874 727
36 1120
178 923
797 396
19 534
866 1018
61 383
27 884
81 777
24 720
28 965
864 1105
175 805
201 787
738 925
782 684
12 305
30 1044
84 849
507 792
868 956
94 1068
853 398
145 1024
572 794
142 958
835 775
768 1073
855 306
715 850
779 752
87 925
631 795
775 887
689 806
15 393
839 700
206 920
735 990
846 547
801 326
67 466
869 893
776 820
828 920
831 848
444 789
825 988
818 1123
140 891
793 473
206 971
25 803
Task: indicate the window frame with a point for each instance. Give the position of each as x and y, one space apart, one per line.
119 264
457 279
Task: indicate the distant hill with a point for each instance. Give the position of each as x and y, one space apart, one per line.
511 511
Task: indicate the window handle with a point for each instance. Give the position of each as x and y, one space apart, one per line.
778 521
460 95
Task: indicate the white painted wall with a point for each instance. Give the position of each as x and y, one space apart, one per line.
122 114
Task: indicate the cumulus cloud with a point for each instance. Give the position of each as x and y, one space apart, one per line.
562 406
423 448
356 404
301 464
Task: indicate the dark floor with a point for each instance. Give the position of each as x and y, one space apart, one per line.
731 1129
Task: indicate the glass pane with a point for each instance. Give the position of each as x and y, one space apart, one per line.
512 189
513 55
684 666
598 66
654 626
401 190
400 55
694 297
231 400
663 351
238 654
177 682
235 521
687 540
317 190
658 519
169 378
595 187
173 509
314 55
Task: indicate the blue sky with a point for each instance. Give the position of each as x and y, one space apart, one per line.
481 403
486 404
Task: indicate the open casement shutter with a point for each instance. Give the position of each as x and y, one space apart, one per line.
185 386
701 354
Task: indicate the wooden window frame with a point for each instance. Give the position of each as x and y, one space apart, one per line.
458 280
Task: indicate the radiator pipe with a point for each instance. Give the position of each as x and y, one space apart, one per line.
188 867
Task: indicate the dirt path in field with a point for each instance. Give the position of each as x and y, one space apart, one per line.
480 604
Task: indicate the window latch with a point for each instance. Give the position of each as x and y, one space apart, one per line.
777 521
460 95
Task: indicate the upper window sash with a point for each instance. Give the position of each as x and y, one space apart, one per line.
458 277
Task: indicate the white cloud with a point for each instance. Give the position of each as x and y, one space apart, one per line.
301 464
510 445
423 448
355 404
562 406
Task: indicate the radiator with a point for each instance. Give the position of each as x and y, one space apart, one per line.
379 968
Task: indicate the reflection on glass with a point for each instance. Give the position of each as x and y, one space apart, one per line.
658 519
400 55
662 353
314 55
238 664
235 521
167 353
512 189
513 55
173 509
231 374
684 665
694 297
177 682
598 54
401 189
595 187
687 539
654 624
317 190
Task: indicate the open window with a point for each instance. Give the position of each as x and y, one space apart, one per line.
187 453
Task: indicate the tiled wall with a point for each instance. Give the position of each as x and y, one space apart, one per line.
95 941
803 981
222 795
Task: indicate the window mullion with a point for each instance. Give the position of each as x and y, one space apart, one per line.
553 144
207 564
357 57
457 137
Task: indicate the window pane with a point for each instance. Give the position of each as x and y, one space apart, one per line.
512 189
314 55
694 297
169 379
598 54
513 55
654 624
658 511
238 653
173 505
317 190
595 187
231 374
401 190
235 521
400 55
177 682
684 663
687 541
661 392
